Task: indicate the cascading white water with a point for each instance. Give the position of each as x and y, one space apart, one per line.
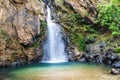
54 47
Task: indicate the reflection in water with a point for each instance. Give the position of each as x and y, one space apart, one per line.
68 71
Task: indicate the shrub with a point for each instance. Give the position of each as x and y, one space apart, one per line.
43 23
115 1
78 40
117 50
115 34
74 18
89 29
36 44
109 15
42 29
91 36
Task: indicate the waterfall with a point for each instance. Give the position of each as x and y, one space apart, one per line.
54 46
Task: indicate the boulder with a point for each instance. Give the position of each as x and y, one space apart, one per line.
115 71
116 64
96 53
110 57
14 64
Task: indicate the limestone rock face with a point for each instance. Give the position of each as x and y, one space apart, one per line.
19 27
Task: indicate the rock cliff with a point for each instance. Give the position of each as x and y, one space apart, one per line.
19 30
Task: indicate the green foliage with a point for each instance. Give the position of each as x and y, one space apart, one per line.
109 15
115 1
43 24
40 0
73 29
91 36
42 32
74 18
115 34
36 44
76 35
89 29
78 40
117 50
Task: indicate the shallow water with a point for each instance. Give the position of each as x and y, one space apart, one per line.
61 71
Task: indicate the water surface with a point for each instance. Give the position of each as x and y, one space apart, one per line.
60 71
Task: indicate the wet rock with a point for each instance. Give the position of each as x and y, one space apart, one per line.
115 71
82 60
88 49
14 64
102 44
116 64
92 54
110 57
70 52
96 53
92 57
